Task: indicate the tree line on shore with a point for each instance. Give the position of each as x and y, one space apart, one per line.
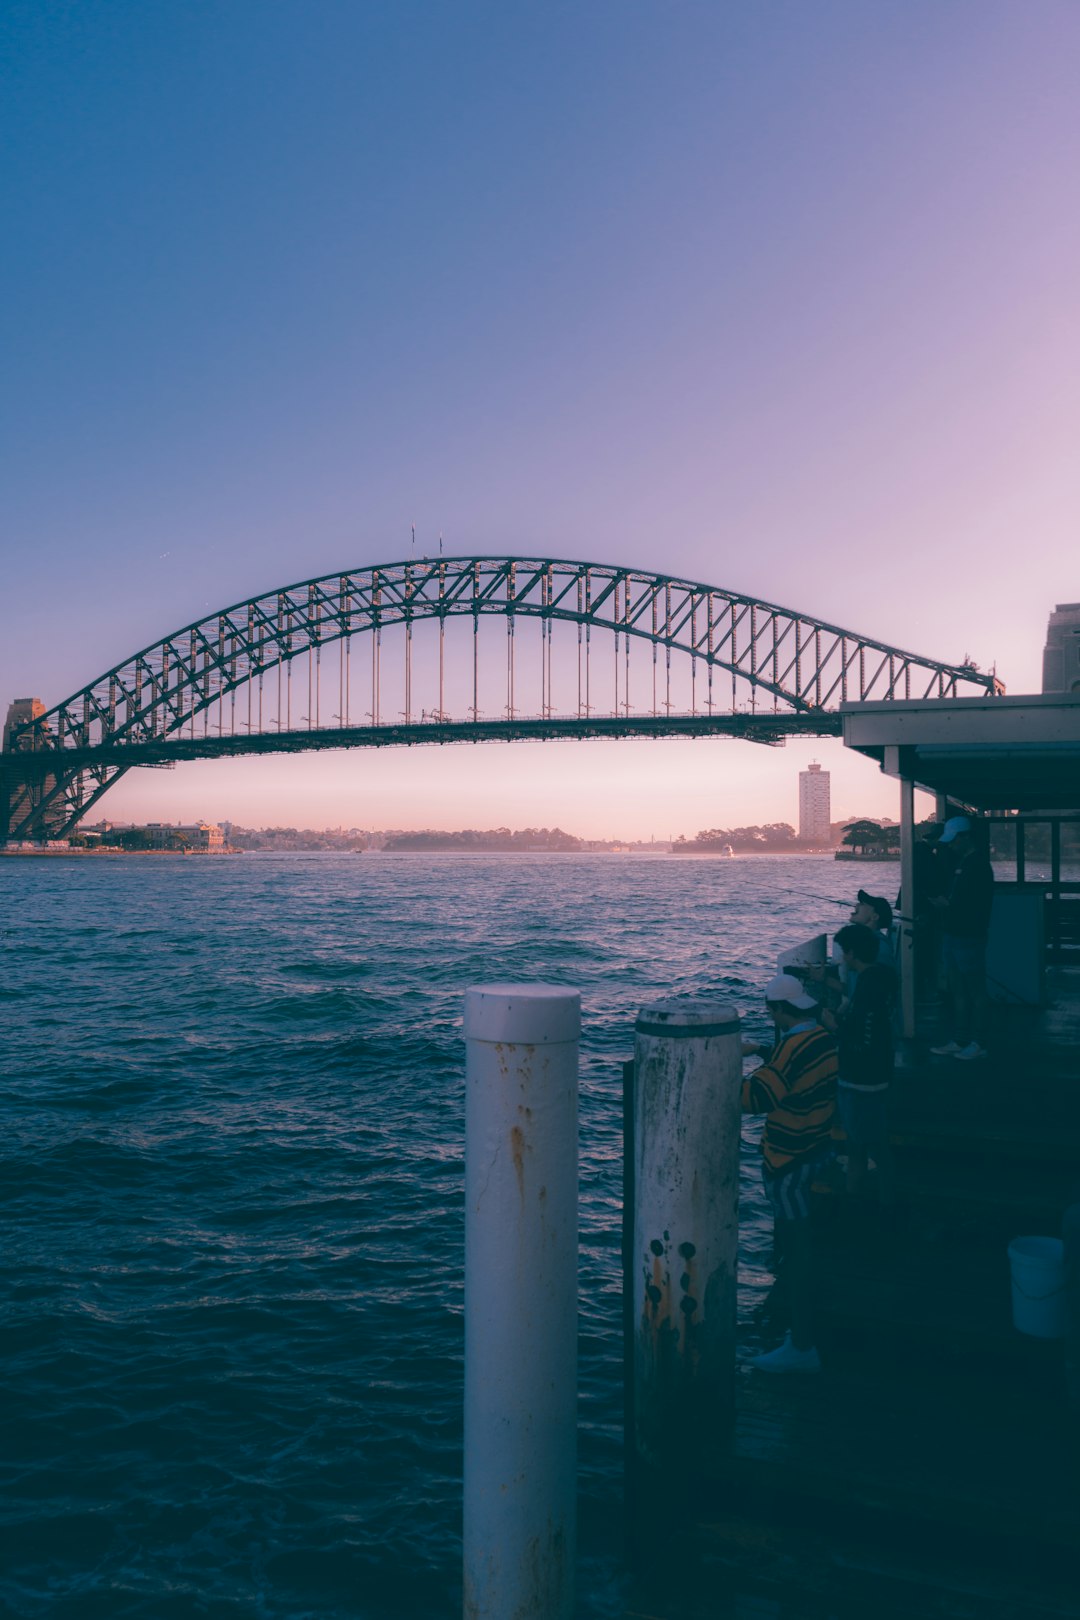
526 838
774 835
862 836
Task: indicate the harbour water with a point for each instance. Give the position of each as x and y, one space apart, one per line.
232 1141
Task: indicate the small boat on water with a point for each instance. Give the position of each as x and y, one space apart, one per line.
702 846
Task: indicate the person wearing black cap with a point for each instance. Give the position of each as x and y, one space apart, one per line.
874 911
871 911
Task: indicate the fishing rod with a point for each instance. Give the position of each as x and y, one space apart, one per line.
826 899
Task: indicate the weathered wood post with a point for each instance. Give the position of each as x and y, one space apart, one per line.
688 1075
521 1266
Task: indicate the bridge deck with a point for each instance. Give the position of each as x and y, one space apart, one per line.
762 727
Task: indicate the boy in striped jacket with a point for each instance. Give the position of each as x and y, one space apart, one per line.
795 1088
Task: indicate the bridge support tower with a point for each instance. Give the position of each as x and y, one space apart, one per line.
28 806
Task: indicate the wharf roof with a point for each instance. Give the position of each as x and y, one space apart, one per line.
990 753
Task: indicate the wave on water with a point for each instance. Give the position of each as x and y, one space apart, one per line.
233 1127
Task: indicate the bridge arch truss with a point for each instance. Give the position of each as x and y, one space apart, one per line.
715 661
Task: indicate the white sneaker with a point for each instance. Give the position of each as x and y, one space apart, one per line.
787 1359
970 1051
950 1049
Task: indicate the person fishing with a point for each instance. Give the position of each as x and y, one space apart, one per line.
795 1088
835 983
873 911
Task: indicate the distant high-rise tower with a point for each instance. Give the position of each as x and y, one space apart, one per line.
814 806
1061 655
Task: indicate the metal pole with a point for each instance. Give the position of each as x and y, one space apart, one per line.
588 640
521 1180
688 1078
626 649
579 599
615 710
1055 887
442 636
628 1267
907 890
693 656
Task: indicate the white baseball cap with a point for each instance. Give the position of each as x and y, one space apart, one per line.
954 827
787 988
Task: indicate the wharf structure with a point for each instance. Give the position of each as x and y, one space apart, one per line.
933 1465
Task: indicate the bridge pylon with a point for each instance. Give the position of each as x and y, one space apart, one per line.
36 797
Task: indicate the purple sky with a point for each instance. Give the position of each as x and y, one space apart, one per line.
779 297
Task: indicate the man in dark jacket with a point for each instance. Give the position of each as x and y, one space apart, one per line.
965 913
864 1036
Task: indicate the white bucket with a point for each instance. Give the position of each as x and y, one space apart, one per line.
1038 1286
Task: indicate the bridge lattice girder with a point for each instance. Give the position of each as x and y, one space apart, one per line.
806 666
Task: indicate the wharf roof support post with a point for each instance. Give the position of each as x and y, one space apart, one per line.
521 1265
1055 888
906 957
628 1267
686 1110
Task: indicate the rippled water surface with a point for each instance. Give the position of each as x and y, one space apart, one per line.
232 1096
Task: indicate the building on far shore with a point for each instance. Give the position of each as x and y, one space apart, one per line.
1061 655
174 835
195 835
814 806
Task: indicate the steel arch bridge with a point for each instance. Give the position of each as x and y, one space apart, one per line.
615 652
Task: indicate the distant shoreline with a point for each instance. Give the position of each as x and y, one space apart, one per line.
741 854
869 855
449 849
113 854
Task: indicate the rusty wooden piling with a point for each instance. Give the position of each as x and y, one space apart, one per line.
688 1072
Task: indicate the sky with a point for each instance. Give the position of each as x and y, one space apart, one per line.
779 297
